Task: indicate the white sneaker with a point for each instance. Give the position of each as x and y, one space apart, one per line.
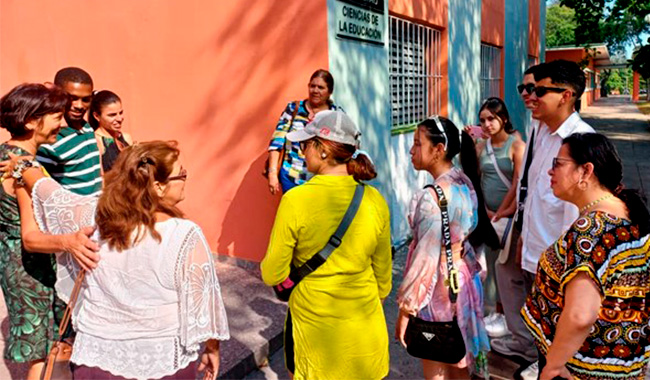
495 325
531 372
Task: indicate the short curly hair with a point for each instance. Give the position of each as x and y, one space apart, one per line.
28 102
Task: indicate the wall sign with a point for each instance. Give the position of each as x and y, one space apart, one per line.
361 20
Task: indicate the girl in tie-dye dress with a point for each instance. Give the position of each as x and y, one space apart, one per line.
423 292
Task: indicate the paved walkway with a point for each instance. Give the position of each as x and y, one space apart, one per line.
620 119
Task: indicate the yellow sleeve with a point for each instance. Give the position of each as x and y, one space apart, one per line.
382 263
276 265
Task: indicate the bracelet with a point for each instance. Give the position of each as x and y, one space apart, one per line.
19 169
273 170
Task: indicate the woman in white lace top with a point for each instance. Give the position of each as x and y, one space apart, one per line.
152 308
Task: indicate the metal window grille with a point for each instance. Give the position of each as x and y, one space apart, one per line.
490 71
414 72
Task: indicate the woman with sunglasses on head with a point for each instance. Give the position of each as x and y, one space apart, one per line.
286 162
500 156
152 307
587 310
106 118
429 285
335 327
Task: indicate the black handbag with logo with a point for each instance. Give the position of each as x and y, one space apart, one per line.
284 289
438 341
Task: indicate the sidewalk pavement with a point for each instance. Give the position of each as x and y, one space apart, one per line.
256 318
620 120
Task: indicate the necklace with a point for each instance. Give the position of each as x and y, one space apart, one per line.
592 204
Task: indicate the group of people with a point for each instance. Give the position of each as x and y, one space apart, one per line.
535 244
81 203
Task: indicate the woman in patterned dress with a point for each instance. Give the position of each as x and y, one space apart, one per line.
292 170
32 114
587 310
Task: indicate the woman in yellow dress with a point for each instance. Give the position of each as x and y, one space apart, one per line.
335 326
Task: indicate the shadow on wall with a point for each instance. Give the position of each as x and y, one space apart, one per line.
246 225
240 112
516 62
362 88
464 61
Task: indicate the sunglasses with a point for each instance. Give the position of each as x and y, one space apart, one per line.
529 87
541 90
304 145
181 176
557 160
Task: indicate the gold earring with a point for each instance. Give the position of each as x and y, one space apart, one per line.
582 185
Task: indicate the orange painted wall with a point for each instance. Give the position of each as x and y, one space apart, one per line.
493 22
214 75
433 13
533 28
493 29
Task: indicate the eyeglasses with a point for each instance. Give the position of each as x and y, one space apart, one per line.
181 176
557 160
529 87
541 90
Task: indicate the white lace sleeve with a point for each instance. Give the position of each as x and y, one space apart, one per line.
202 312
59 211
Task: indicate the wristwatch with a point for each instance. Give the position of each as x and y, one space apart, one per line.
20 167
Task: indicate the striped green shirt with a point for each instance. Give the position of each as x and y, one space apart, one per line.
73 160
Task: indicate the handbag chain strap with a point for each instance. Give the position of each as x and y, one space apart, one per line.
452 281
334 241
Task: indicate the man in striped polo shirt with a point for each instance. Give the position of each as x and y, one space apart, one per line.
73 160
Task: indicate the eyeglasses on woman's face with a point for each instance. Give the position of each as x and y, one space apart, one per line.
558 160
304 145
182 176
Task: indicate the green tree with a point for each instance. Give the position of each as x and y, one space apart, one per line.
616 22
560 25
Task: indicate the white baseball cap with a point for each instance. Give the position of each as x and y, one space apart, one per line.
333 125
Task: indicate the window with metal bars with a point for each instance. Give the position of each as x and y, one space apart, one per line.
490 71
414 73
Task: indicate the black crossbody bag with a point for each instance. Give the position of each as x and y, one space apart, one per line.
438 341
283 290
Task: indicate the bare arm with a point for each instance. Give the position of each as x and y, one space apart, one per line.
581 307
34 240
274 182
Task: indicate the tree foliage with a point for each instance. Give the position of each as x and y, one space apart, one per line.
641 61
560 26
615 22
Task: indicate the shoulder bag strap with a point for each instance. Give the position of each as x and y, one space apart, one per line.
48 369
335 240
490 152
284 148
65 321
452 281
523 183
